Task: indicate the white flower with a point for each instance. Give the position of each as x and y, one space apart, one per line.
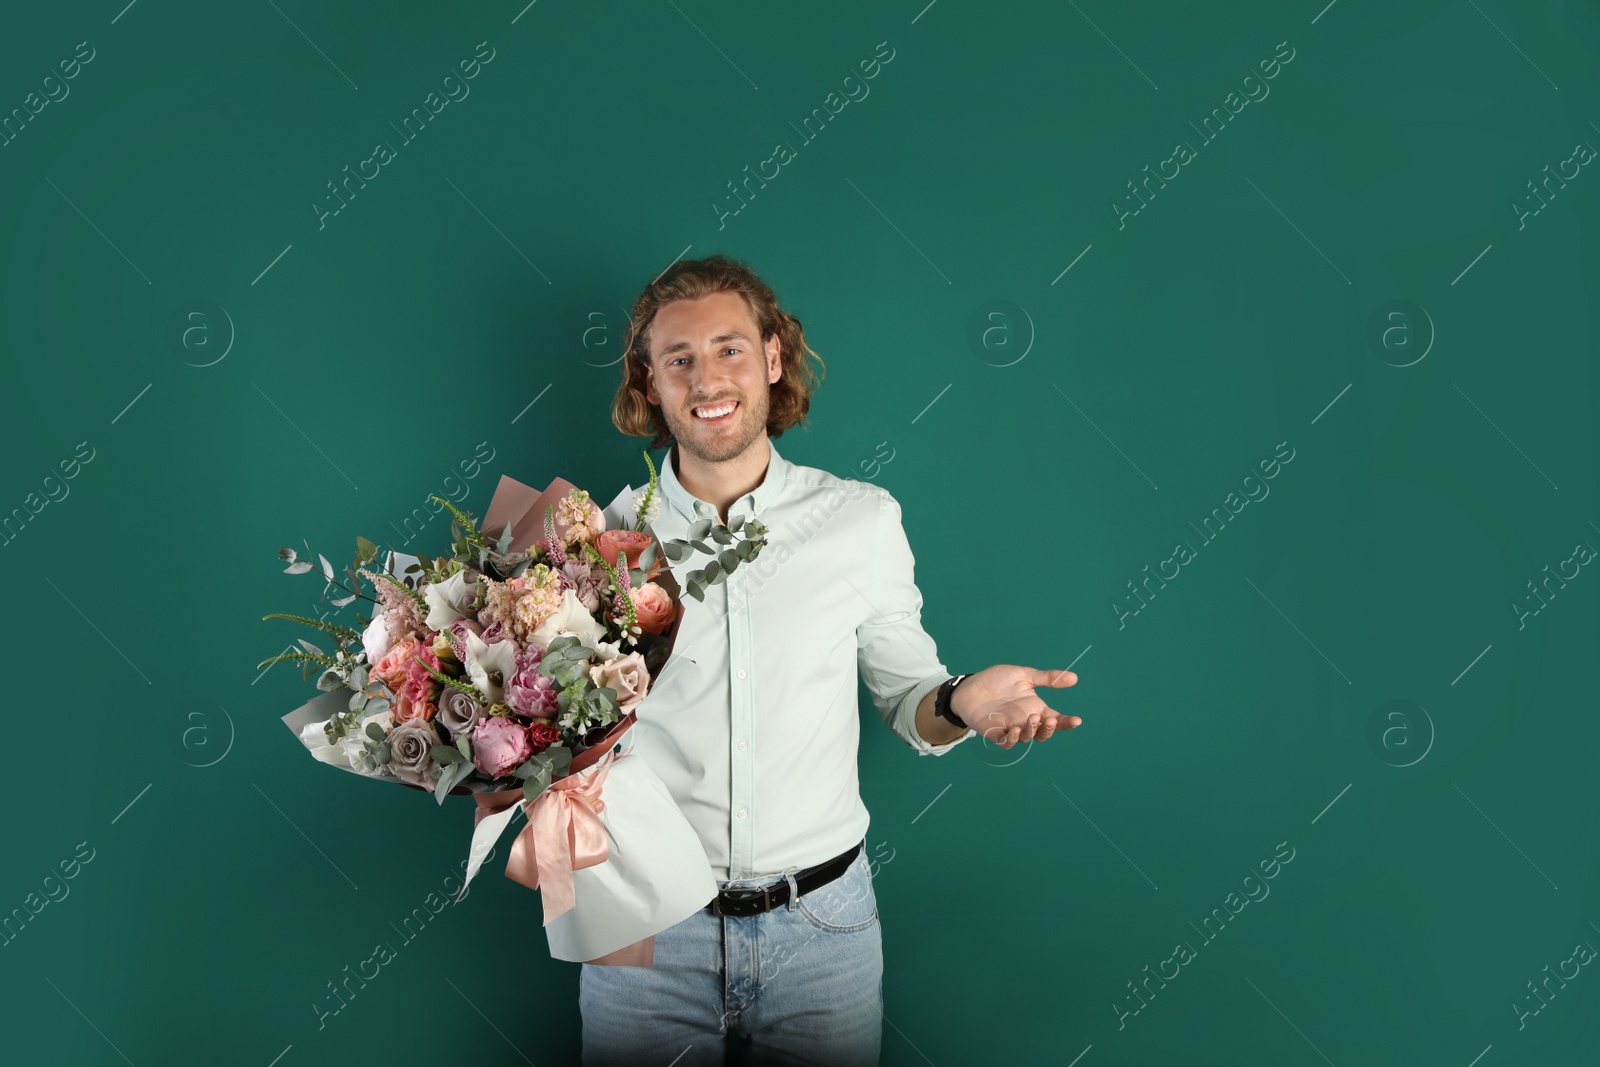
655 504
446 599
491 667
350 753
375 638
570 618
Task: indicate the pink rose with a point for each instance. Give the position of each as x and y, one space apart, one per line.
500 745
625 674
652 608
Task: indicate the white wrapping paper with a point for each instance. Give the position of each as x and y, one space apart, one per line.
656 875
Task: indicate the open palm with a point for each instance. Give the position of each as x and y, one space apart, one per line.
1000 703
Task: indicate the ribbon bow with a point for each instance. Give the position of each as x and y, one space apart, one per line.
563 834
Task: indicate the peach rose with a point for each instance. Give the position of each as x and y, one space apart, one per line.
631 542
393 665
652 607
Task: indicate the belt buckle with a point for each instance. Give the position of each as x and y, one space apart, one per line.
766 899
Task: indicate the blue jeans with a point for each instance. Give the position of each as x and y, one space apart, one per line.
800 984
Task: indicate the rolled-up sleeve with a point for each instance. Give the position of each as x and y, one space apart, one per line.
898 660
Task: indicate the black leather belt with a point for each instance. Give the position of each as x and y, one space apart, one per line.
753 900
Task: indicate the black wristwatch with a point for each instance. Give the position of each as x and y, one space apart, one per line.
941 701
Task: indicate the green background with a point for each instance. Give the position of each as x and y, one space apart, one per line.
1052 432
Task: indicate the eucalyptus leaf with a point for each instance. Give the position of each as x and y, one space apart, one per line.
366 551
699 529
675 550
342 601
375 731
445 755
729 559
449 779
711 571
738 521
721 536
299 567
701 546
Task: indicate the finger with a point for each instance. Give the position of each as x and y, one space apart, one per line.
1053 679
1059 722
1030 729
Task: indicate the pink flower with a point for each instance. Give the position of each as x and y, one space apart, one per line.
653 608
393 666
531 693
458 636
420 686
500 745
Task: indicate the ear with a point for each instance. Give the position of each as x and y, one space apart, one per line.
774 352
650 393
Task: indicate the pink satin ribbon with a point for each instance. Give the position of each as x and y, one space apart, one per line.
564 834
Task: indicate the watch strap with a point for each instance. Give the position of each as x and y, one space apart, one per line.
941 701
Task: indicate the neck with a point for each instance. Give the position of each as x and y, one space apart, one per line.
720 483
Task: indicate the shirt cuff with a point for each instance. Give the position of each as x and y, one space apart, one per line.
912 701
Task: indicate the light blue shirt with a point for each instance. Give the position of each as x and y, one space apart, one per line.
754 725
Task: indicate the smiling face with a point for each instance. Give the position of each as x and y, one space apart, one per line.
705 355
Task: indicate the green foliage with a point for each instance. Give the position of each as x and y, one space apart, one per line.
649 495
343 633
747 538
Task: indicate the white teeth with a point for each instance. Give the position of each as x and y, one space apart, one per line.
711 413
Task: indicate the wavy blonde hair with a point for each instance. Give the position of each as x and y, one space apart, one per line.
790 396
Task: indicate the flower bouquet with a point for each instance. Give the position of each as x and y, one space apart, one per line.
510 670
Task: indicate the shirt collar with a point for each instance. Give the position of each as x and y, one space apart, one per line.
762 496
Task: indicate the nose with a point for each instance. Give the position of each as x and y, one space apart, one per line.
709 379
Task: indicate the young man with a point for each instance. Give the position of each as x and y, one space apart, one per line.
753 724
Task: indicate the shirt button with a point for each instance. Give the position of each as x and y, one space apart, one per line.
743 746
741 672
738 607
743 813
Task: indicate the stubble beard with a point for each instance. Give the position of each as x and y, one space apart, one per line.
724 446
